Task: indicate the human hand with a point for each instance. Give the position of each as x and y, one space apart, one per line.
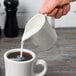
55 8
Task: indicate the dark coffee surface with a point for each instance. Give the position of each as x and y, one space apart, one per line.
16 56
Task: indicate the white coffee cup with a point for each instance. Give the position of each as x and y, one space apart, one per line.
22 68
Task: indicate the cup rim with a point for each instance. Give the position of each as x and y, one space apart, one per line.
18 49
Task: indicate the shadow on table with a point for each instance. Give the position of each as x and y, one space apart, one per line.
2 72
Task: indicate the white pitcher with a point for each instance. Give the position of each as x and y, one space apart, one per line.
41 32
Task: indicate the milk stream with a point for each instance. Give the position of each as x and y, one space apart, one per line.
22 43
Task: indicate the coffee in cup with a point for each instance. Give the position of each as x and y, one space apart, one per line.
16 56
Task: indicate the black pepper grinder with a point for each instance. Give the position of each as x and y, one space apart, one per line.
11 24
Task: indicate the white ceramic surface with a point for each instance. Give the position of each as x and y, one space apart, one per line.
24 68
42 33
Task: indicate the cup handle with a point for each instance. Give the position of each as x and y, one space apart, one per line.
44 64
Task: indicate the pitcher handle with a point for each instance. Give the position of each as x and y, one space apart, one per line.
44 64
52 21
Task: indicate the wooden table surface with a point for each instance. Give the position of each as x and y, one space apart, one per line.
61 58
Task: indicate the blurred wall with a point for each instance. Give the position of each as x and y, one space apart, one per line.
28 8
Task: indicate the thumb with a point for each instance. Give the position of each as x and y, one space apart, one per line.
48 6
44 8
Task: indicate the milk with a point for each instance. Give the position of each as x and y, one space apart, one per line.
22 43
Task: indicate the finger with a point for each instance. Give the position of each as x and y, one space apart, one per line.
66 9
59 13
63 2
53 13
